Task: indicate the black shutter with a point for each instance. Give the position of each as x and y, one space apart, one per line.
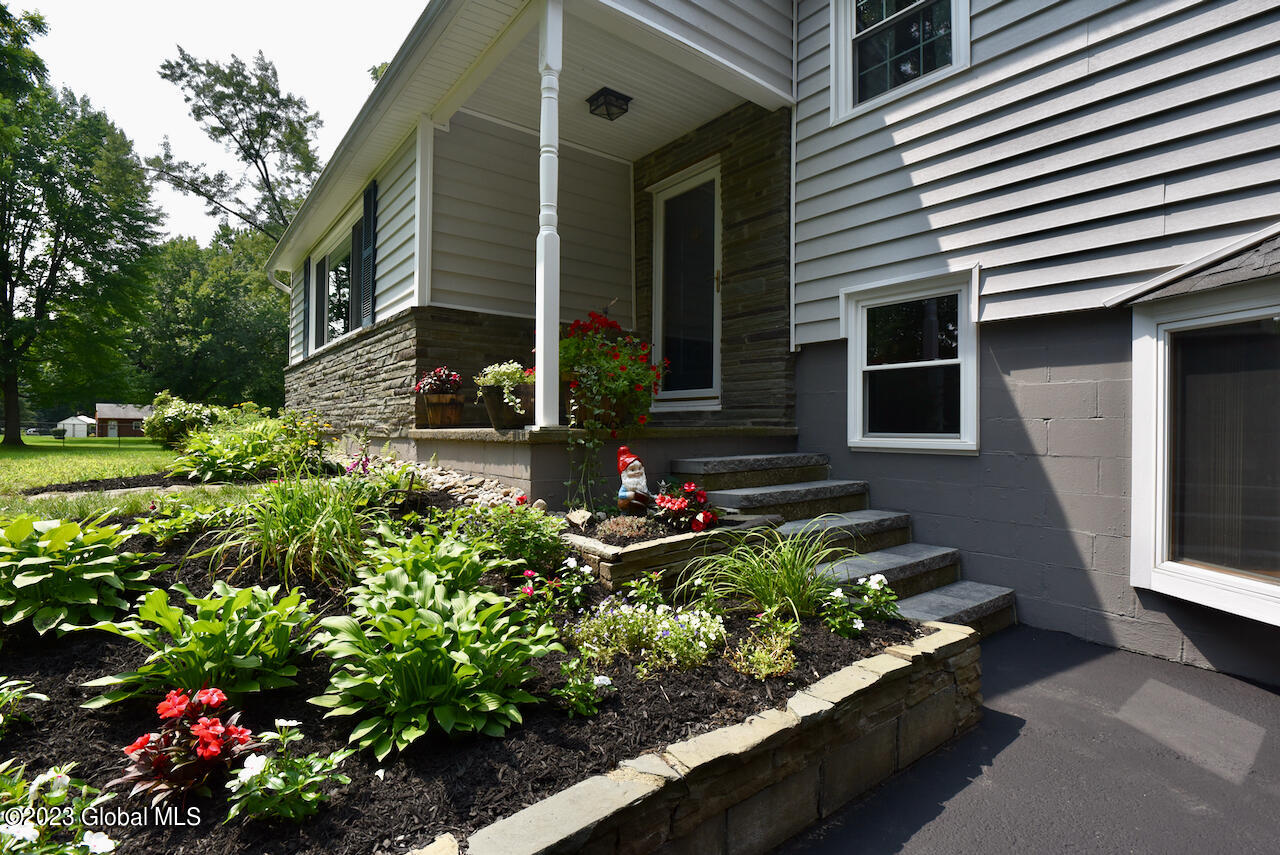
322 307
355 310
368 240
306 303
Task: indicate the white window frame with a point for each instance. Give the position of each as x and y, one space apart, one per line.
854 302
1149 563
331 241
842 85
686 400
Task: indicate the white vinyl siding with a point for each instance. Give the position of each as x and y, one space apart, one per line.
485 212
297 323
395 257
754 36
1089 147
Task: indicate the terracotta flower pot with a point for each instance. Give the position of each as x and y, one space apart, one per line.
443 410
502 415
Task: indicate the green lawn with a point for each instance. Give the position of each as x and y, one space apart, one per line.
45 460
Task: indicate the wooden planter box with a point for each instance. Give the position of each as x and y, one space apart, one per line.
617 565
746 788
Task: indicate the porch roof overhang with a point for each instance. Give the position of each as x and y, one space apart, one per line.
460 53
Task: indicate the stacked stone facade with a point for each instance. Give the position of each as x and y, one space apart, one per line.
754 147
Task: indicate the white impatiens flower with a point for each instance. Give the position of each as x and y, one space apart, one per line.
285 722
26 831
601 680
98 843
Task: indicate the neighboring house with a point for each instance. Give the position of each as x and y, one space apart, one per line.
78 426
1014 264
121 419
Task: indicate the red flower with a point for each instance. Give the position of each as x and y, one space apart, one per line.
528 372
573 384
644 347
138 744
210 733
209 748
616 355
701 496
613 434
521 499
211 698
642 419
697 524
527 590
530 573
690 487
240 734
174 704
639 387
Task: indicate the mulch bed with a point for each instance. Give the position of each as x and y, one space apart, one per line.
156 479
592 529
441 784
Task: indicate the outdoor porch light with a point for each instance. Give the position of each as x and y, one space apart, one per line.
608 103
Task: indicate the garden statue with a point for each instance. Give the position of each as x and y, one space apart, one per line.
633 496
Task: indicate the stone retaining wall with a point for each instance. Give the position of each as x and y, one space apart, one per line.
744 789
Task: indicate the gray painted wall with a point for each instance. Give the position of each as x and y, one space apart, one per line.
1044 508
1091 145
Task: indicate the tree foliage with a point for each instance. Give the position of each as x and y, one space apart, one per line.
76 221
271 132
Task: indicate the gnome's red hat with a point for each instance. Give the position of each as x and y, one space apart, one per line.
625 458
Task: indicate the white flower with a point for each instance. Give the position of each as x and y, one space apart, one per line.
27 831
253 765
877 582
286 722
98 843
857 623
58 784
571 563
837 594
601 680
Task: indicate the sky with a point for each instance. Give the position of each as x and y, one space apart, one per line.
111 50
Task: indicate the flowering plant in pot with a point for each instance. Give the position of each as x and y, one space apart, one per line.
506 388
685 507
439 388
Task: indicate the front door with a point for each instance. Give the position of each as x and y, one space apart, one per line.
686 308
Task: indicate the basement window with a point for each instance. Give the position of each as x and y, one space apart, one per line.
912 365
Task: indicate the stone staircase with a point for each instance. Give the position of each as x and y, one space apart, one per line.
797 487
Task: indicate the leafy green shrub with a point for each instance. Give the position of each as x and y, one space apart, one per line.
241 639
767 570
414 653
563 592
458 564
309 526
844 609
252 447
172 418
174 516
12 693
582 690
45 816
280 784
54 572
655 637
518 532
767 651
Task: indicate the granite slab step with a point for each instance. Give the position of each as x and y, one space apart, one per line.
911 568
746 463
851 524
987 608
796 500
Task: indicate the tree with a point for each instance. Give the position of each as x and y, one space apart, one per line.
269 131
76 221
216 329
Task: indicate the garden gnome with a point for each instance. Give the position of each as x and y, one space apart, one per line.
633 496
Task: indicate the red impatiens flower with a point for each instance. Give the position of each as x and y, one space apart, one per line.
690 487
211 698
530 573
241 735
138 744
174 704
527 590
522 499
573 384
639 387
209 732
697 524
642 419
701 496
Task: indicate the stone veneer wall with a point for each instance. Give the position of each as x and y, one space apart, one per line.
754 146
365 383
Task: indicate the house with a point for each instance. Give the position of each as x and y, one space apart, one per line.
1011 266
121 419
77 426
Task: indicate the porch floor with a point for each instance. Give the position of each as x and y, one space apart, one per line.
1082 748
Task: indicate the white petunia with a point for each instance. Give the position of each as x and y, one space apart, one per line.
98 843
26 831
601 680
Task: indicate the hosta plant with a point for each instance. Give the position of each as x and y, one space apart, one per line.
415 655
12 693
455 562
281 784
54 572
175 516
241 639
45 815
198 738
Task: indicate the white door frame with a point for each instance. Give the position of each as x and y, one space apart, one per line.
686 179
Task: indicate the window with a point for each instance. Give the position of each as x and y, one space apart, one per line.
1206 450
913 364
336 304
882 49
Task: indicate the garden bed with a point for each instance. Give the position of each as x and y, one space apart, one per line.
615 564
440 784
155 479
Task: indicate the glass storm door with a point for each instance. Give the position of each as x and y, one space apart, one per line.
687 292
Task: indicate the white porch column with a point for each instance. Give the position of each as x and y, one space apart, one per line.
546 334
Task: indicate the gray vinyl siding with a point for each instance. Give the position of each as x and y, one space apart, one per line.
396 258
297 324
1090 146
754 36
485 213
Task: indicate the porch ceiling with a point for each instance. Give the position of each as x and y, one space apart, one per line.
667 101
